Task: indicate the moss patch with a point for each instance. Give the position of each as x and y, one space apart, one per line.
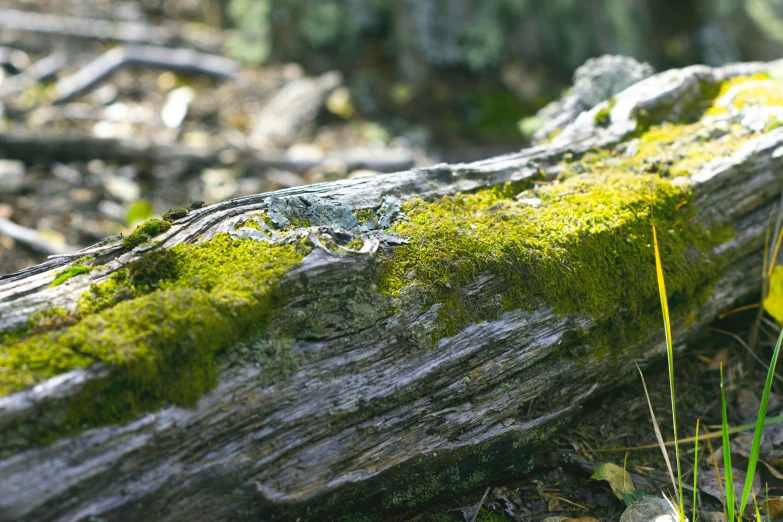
145 232
72 271
604 115
159 322
587 248
175 213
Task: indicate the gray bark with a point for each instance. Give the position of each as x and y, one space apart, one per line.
368 420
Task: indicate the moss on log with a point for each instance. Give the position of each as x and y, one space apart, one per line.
376 343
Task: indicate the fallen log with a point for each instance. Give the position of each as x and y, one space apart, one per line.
43 149
180 60
372 344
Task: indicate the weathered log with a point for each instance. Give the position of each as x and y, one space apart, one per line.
403 355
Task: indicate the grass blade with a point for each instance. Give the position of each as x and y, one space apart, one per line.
754 450
717 477
756 506
670 357
695 469
658 431
766 500
726 451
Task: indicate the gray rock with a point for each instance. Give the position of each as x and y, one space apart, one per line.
599 79
650 509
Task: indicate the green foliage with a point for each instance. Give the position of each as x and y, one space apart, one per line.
145 232
321 23
139 211
755 447
727 473
72 271
252 40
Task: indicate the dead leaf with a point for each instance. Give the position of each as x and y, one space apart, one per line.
554 504
773 506
777 474
580 519
619 480
708 482
747 404
722 357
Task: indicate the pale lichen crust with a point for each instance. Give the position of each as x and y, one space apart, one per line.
578 244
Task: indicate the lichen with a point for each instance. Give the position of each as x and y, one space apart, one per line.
145 232
72 271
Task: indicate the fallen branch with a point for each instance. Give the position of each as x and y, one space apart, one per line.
63 148
181 60
43 69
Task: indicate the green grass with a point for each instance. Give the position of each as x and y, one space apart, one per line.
734 512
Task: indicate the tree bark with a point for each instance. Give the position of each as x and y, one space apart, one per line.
370 421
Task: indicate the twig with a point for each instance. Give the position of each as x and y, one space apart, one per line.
478 509
43 69
710 435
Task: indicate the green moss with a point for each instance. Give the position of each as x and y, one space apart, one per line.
175 213
486 515
145 232
72 271
585 249
160 321
299 223
355 244
604 115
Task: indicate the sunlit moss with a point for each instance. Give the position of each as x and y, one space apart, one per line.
72 271
160 321
585 249
145 232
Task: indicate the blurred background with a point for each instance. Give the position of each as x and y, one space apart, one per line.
114 111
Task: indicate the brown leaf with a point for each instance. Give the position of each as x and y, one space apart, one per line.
720 357
773 506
